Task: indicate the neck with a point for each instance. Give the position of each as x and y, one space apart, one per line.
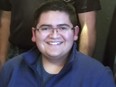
53 66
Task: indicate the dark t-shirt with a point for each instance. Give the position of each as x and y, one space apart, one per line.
22 16
45 76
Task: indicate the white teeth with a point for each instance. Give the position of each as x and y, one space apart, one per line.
54 43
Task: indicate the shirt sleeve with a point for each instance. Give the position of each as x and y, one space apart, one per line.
5 5
87 5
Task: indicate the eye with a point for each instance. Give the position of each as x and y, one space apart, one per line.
63 28
45 28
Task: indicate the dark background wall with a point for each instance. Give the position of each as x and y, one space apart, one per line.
104 17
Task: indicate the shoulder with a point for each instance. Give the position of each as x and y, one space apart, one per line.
93 71
16 65
87 60
13 62
90 65
9 69
24 59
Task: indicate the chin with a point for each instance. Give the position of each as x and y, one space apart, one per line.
54 55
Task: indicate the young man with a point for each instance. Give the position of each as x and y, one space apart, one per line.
54 61
22 12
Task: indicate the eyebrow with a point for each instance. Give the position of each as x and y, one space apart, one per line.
49 25
43 25
63 25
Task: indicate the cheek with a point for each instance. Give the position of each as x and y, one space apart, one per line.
39 42
69 37
40 39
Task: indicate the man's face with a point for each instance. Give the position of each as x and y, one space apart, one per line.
54 43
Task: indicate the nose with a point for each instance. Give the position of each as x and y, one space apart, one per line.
55 33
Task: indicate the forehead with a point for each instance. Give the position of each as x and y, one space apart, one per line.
54 17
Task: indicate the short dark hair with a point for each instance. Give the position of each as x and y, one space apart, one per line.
56 5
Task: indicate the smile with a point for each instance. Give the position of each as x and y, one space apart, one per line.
55 42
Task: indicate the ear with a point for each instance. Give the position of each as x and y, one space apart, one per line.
33 34
76 32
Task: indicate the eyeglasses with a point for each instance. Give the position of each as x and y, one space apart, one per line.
50 29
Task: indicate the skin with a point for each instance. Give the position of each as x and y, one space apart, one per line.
54 46
4 34
88 33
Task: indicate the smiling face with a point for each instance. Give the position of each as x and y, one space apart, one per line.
54 44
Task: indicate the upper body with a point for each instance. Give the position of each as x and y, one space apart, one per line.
22 16
22 12
55 62
80 71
